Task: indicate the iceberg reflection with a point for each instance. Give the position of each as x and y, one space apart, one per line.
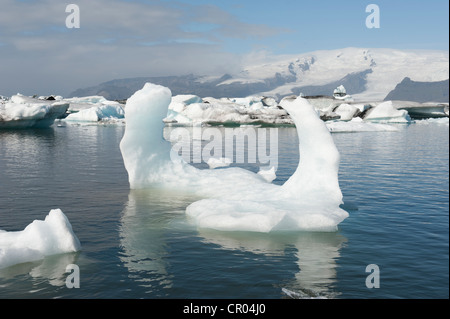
146 217
153 218
315 254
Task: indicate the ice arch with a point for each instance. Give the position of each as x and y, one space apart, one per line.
236 199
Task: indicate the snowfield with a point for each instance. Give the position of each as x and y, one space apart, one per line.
387 68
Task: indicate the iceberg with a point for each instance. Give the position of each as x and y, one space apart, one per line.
340 93
93 109
218 162
235 199
346 111
440 120
386 112
52 236
423 110
357 124
24 112
193 110
97 113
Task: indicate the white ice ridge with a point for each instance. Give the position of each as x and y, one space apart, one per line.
41 238
236 199
23 112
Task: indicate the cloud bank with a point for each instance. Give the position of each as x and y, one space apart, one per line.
116 39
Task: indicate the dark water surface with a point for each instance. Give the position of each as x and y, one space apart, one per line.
138 244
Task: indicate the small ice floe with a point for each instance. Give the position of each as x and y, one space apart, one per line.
39 239
268 174
218 162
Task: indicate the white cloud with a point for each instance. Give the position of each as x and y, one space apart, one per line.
116 39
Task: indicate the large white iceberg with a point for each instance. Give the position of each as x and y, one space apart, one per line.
347 111
235 198
41 238
22 112
93 109
97 113
386 113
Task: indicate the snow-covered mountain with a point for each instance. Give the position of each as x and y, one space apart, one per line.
374 72
367 74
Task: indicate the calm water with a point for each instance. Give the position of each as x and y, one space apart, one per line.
138 244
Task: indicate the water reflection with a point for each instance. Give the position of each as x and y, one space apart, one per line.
315 253
46 273
144 221
151 217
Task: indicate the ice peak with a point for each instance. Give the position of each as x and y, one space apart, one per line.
235 198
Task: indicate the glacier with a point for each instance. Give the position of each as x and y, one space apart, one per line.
235 199
41 238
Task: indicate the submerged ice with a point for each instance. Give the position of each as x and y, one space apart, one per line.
235 199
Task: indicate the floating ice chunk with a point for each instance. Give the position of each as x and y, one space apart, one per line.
94 99
387 113
340 93
235 198
52 236
268 174
191 110
340 90
357 124
442 120
178 105
86 115
185 99
270 102
423 110
346 111
22 111
218 162
97 113
93 109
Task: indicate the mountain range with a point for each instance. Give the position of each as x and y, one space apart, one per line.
367 74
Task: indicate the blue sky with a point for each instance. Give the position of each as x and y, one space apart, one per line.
312 25
126 38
